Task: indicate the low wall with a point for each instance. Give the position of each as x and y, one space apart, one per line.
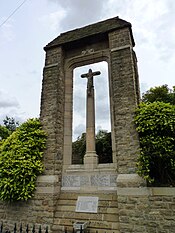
39 210
145 209
140 209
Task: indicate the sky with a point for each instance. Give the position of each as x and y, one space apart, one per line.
33 24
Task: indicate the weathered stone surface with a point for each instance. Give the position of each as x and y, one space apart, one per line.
128 206
130 180
149 212
84 181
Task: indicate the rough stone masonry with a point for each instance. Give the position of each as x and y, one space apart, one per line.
125 203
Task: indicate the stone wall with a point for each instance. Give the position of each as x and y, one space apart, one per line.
136 210
146 210
37 211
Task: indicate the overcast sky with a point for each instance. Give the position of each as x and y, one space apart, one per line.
35 23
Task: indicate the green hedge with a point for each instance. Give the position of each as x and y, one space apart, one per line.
156 126
21 161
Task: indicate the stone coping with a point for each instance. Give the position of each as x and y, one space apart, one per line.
154 191
99 182
146 191
100 167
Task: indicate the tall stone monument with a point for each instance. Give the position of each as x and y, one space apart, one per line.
107 197
90 158
111 41
93 193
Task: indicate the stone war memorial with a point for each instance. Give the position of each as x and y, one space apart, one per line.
99 197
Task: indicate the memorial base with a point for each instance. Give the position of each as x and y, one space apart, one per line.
77 178
90 160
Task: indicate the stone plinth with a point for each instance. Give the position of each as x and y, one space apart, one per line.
79 179
130 180
90 160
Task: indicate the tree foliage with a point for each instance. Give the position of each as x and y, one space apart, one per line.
79 149
103 147
20 161
156 127
160 93
10 125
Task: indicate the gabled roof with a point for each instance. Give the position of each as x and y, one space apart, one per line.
90 30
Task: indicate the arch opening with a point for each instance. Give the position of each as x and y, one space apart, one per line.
102 113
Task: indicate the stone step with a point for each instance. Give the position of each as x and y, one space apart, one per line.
74 195
105 220
104 210
92 223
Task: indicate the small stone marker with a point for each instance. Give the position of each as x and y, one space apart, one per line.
87 204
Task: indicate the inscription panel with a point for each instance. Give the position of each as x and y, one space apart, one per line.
88 180
87 204
71 181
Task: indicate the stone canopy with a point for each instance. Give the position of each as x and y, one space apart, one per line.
98 30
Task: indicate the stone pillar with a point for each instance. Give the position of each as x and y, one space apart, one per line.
52 119
124 95
52 110
90 158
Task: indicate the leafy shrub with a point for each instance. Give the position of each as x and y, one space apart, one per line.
4 132
156 126
20 161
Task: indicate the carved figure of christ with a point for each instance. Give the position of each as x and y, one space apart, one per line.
90 115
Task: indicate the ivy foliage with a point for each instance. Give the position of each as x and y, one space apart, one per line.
20 161
156 127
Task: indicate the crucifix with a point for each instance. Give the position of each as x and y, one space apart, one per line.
90 158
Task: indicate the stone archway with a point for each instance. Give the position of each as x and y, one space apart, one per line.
111 41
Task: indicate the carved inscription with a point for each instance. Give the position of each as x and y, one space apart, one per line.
87 51
87 204
68 181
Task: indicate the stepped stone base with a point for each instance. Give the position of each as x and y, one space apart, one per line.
106 219
98 184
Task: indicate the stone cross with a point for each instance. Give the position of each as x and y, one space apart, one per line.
90 158
90 83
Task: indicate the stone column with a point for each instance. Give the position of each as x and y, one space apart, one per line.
90 158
